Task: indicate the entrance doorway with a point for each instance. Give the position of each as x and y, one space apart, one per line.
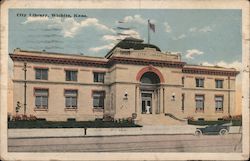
146 104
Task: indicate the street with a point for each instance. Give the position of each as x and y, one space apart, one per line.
143 143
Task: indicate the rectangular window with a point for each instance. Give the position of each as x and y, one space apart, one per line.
182 102
41 74
71 75
71 98
199 101
182 80
218 83
98 99
99 77
218 103
199 82
41 98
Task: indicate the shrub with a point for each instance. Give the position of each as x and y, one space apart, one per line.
24 118
108 117
190 118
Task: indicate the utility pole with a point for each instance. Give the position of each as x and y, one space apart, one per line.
229 88
148 32
25 87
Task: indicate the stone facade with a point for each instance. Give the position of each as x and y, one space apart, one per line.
133 79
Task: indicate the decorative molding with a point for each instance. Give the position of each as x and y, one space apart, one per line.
57 60
107 63
209 71
56 68
138 61
40 67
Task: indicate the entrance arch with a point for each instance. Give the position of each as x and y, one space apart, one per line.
150 79
149 69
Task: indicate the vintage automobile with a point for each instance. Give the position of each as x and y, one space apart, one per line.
216 129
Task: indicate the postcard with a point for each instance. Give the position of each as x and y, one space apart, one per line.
125 80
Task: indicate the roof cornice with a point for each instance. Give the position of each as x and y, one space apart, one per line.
210 71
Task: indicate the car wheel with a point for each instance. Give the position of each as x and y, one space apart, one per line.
223 132
198 133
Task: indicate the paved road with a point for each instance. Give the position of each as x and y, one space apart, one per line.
146 143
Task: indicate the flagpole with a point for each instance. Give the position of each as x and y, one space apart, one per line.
148 33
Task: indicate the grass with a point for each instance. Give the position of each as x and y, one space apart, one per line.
68 124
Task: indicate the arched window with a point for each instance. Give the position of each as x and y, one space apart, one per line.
150 78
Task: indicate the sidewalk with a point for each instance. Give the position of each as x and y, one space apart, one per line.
81 132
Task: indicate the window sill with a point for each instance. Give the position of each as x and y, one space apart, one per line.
40 109
70 109
219 111
98 110
199 111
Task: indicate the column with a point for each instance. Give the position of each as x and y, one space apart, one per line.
161 100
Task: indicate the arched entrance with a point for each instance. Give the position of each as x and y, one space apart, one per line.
150 80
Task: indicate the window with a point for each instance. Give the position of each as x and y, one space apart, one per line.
98 99
218 83
199 82
182 80
182 101
70 98
41 74
99 77
199 101
71 75
41 100
218 103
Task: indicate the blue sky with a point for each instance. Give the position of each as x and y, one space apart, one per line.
206 37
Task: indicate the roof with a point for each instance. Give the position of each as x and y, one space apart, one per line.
132 43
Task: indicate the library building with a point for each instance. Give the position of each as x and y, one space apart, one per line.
134 79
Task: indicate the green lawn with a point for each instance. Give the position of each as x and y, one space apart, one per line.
68 124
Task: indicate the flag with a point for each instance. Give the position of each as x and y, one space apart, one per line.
151 26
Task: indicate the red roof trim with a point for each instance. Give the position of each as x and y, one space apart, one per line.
56 60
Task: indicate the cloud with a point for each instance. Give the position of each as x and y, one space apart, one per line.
235 64
69 26
36 19
193 29
193 52
206 29
134 19
182 36
103 47
124 34
202 29
167 27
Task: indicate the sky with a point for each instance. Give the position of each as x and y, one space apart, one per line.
208 37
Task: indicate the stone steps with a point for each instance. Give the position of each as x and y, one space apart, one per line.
159 119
